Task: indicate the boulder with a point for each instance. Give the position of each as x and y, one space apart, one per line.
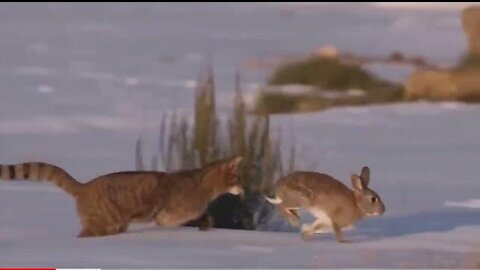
471 26
441 85
452 84
329 51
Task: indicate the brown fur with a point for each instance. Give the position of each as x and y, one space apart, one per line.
334 205
108 204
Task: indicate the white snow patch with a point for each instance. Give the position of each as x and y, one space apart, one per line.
68 124
426 108
98 76
45 89
190 84
187 84
473 203
132 81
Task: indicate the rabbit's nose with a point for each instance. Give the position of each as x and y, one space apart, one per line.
382 210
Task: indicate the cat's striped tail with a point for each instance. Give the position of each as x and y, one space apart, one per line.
39 171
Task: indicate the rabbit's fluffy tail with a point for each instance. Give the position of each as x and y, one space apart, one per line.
275 200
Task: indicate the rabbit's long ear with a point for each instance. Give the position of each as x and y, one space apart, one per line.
365 175
357 183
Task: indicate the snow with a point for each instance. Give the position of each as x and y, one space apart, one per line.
80 83
473 203
38 230
416 173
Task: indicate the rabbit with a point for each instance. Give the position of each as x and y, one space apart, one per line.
331 202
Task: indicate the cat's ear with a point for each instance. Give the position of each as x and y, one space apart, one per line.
234 163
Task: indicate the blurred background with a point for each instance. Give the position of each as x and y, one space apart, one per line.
394 86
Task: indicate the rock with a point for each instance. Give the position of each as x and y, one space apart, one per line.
429 84
419 61
440 85
327 52
450 84
471 26
309 105
396 57
468 83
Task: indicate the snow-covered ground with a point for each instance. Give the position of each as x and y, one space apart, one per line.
425 170
39 226
80 83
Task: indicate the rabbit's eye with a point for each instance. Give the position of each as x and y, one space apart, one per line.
373 199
